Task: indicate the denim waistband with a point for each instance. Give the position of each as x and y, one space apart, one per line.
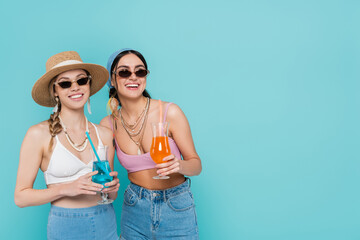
80 212
156 194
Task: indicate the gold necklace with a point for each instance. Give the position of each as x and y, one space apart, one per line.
130 130
138 142
78 147
133 126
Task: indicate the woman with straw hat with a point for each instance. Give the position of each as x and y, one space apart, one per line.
59 147
153 208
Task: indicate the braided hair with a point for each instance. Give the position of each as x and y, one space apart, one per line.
54 123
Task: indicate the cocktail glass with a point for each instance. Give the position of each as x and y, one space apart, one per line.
160 146
103 168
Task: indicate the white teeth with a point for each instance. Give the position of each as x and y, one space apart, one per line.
76 96
132 85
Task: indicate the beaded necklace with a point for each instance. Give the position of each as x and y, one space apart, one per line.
78 147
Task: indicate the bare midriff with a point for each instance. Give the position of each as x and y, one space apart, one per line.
145 179
80 201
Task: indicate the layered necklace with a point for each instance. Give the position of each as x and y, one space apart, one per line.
78 147
130 128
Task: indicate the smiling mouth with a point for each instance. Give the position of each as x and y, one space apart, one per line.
132 86
76 96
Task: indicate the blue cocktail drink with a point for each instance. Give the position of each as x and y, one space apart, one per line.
101 164
102 177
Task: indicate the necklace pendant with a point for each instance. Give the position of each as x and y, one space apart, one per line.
139 151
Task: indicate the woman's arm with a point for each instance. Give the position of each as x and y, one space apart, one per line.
179 129
32 152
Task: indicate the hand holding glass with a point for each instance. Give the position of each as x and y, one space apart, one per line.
160 146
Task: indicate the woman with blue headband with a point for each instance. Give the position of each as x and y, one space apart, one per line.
153 208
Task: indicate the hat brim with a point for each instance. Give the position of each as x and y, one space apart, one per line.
41 93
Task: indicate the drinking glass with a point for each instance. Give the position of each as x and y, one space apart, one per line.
160 147
103 168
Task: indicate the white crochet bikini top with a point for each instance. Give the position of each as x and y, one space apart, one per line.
64 166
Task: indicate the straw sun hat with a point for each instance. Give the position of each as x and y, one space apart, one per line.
63 62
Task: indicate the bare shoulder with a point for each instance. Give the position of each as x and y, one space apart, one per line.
174 112
39 132
104 131
106 122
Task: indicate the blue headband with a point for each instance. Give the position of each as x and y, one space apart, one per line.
110 62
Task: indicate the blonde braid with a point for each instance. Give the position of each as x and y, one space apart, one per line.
54 124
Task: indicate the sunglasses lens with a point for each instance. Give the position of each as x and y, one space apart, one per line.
124 73
65 84
141 73
80 82
83 81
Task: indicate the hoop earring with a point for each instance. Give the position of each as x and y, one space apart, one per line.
88 106
56 108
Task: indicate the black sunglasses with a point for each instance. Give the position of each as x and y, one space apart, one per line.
124 73
80 82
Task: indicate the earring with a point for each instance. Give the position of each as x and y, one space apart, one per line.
88 106
56 108
112 105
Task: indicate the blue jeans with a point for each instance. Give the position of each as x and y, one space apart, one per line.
159 214
96 222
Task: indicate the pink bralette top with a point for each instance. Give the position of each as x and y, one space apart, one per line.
134 163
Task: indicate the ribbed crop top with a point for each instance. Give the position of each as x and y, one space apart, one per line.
64 166
134 163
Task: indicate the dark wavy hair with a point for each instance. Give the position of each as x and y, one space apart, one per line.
112 91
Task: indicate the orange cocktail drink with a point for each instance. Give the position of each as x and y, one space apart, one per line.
160 146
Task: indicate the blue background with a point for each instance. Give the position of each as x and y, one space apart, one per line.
271 90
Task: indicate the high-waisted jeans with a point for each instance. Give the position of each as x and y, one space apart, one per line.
159 214
96 222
